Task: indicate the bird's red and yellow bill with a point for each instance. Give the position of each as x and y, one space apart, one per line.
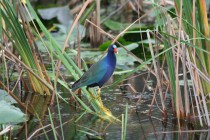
115 49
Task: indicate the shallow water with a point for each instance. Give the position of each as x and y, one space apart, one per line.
140 126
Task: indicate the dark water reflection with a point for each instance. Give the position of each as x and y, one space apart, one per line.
140 125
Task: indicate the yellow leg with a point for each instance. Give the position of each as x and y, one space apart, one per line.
91 94
96 97
101 106
99 95
99 99
99 92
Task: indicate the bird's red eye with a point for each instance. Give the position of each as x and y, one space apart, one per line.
115 50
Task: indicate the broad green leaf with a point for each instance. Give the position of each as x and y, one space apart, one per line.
63 14
61 35
4 96
91 54
106 44
10 113
118 26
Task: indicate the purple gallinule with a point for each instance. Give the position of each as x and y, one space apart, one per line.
99 73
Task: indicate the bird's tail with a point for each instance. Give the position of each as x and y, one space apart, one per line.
75 86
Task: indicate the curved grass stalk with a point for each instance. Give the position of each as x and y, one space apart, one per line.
20 41
72 69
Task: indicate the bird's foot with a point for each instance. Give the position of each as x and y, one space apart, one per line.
104 110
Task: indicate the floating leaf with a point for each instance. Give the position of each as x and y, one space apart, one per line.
61 35
106 44
10 113
146 41
113 25
91 54
6 97
61 13
128 47
125 60
118 26
63 31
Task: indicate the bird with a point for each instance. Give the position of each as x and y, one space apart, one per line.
99 73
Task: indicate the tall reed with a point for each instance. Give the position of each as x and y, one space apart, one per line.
21 37
189 59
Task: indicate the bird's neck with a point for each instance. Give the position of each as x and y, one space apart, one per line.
111 58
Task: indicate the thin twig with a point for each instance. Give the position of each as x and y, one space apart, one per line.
16 99
129 52
28 69
143 16
38 131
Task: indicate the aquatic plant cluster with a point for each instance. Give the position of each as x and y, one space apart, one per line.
104 69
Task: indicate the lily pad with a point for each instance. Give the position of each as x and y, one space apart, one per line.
4 96
124 60
90 54
118 26
106 44
10 113
61 13
61 35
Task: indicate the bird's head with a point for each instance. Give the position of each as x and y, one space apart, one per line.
113 48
